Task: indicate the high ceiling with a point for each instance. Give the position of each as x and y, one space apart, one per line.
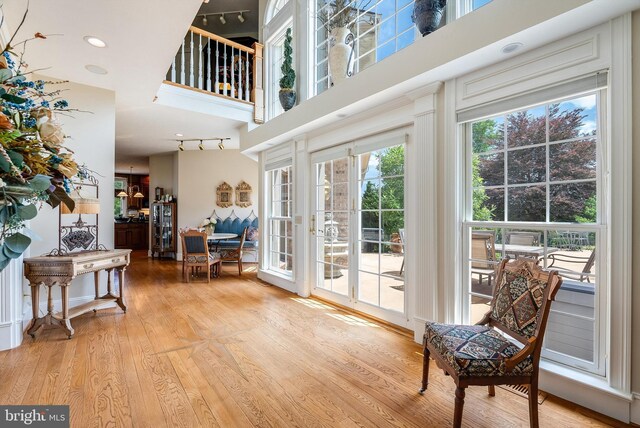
233 27
142 38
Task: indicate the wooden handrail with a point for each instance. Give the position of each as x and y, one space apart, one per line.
211 64
220 39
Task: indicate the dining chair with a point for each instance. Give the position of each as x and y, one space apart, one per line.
235 254
523 238
481 354
195 255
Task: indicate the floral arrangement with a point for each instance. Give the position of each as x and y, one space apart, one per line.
208 223
35 167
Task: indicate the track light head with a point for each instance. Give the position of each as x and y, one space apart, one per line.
222 19
181 146
240 17
201 146
221 144
205 21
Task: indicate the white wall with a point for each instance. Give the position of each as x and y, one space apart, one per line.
92 138
201 172
161 174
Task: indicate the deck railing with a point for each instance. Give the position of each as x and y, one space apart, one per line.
212 64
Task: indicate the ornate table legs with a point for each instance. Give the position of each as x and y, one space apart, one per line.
49 318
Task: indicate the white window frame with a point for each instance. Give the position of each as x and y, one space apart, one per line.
269 251
275 27
544 69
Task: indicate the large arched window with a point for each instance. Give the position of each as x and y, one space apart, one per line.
278 17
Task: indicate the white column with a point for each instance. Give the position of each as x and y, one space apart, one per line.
421 210
302 213
11 305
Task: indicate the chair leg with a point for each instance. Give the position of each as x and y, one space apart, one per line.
208 274
492 390
533 404
240 267
425 371
457 413
189 273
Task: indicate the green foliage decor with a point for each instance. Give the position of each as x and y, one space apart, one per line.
288 79
35 166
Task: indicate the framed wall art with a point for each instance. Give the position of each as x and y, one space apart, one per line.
224 195
243 195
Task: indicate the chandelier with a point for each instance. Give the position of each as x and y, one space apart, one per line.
132 191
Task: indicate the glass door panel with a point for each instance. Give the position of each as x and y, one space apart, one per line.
381 219
332 225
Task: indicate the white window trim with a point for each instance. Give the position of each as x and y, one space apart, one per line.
273 28
619 126
290 275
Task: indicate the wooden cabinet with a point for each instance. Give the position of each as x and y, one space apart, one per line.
164 230
132 235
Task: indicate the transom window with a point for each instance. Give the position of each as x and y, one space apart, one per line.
534 190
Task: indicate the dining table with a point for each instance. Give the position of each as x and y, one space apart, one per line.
530 251
217 237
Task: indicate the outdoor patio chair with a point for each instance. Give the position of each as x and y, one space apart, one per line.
558 259
195 255
523 238
483 253
480 354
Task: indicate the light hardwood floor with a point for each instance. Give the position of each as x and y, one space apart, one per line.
237 352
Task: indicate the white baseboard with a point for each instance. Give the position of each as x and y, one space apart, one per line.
10 335
634 411
278 281
418 329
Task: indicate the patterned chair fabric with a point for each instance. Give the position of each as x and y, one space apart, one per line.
517 301
475 350
200 259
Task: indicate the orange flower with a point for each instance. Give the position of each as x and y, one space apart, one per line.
39 35
5 123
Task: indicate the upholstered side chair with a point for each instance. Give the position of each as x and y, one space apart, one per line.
195 254
480 355
235 254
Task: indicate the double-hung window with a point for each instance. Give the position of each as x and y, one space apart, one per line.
535 188
279 257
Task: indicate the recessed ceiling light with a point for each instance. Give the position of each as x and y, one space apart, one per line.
94 41
511 47
95 69
179 135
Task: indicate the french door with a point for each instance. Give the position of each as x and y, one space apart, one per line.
358 243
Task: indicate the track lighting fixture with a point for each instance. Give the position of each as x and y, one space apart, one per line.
201 146
221 144
181 146
222 16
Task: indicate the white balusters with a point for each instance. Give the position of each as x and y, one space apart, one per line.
182 76
233 74
200 58
209 64
191 76
225 71
246 78
230 74
217 74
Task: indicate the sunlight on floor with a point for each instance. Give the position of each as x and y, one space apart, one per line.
313 304
353 320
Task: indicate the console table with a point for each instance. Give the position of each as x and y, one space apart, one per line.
61 270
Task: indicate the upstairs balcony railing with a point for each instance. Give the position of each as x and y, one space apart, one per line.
214 65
